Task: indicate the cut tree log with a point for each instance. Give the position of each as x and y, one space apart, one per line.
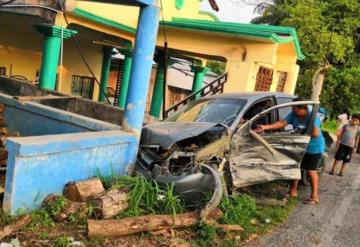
85 190
16 226
127 226
71 208
111 203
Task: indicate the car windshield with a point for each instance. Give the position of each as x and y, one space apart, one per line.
222 111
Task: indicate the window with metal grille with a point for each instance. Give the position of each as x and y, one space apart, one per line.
281 82
264 79
82 86
2 70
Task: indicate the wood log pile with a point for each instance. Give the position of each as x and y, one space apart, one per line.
109 204
4 134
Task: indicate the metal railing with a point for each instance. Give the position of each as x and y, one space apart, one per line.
214 87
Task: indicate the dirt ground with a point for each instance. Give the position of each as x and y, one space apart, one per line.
333 222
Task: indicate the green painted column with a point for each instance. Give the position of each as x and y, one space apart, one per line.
125 77
198 81
50 53
158 91
105 70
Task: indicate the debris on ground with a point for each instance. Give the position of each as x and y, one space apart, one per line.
14 243
134 211
146 223
271 202
14 227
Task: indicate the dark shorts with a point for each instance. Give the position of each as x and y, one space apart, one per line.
311 161
344 153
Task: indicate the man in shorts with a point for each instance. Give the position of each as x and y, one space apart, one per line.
300 118
347 143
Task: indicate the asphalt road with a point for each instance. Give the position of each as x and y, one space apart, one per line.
334 222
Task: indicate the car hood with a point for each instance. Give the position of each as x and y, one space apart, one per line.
167 134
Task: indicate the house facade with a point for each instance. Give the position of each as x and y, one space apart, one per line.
75 54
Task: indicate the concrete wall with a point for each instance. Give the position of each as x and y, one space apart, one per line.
57 147
77 105
38 166
30 118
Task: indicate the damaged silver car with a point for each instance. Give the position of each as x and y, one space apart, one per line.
210 144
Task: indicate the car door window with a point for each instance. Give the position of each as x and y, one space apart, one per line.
256 109
283 112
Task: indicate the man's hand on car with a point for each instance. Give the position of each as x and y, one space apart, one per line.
260 128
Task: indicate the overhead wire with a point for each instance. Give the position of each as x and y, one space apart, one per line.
77 45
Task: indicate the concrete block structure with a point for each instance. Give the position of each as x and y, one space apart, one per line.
57 146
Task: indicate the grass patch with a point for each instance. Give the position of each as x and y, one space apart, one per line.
242 210
147 197
330 125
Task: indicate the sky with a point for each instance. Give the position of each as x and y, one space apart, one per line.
231 10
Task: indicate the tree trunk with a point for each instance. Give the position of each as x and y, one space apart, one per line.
318 81
115 228
110 204
83 191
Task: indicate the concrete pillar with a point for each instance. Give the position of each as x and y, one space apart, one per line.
199 73
241 76
125 77
143 55
50 53
291 79
105 70
158 91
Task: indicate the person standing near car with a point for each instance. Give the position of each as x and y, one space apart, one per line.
299 118
347 143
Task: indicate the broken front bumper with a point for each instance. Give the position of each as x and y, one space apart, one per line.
191 187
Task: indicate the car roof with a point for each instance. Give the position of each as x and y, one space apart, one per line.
249 96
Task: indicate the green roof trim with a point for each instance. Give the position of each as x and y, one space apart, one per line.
211 15
102 20
276 34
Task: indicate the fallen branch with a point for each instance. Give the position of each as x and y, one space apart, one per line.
229 228
16 226
127 226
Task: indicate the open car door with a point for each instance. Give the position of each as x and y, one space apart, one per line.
256 158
